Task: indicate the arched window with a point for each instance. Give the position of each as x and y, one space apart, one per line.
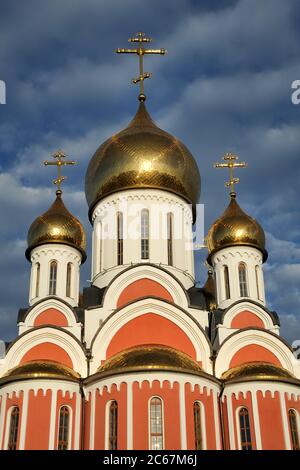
245 432
257 282
53 278
120 237
37 279
197 426
69 280
170 238
156 424
113 426
294 430
13 428
145 234
243 280
226 282
99 248
64 425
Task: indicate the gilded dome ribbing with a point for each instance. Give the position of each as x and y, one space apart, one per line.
57 225
235 228
142 156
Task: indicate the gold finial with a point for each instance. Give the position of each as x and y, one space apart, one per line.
59 155
141 51
231 163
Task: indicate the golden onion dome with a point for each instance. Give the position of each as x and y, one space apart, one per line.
57 225
257 370
235 228
142 156
150 357
40 370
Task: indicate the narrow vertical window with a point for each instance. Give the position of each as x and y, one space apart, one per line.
37 279
257 282
294 430
145 234
120 237
243 280
156 424
69 280
170 238
245 432
53 278
13 429
113 426
63 432
197 426
226 282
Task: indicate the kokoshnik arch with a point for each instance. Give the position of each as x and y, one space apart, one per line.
144 359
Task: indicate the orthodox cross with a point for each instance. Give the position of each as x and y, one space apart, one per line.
231 163
59 161
140 38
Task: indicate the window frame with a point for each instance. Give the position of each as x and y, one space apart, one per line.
69 280
243 283
170 238
120 238
145 231
150 433
69 436
294 429
37 279
53 281
246 443
13 445
226 282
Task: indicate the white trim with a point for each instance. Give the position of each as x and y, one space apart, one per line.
256 421
182 416
53 419
77 422
92 420
23 417
129 416
2 418
217 421
285 423
230 422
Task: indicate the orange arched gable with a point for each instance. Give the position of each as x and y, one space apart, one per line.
150 328
246 319
143 288
47 352
253 353
51 316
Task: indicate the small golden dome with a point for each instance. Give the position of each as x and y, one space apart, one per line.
57 225
150 357
235 228
142 156
257 370
40 370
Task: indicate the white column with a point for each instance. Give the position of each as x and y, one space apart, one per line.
77 422
129 417
52 419
2 418
230 422
23 420
182 416
285 423
92 420
256 420
217 420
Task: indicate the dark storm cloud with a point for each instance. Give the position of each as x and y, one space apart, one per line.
224 85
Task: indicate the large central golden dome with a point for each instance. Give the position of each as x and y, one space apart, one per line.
142 156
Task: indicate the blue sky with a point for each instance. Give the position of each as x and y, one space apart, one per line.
225 85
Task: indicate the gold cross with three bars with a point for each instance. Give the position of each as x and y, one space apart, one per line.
231 163
59 161
140 38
